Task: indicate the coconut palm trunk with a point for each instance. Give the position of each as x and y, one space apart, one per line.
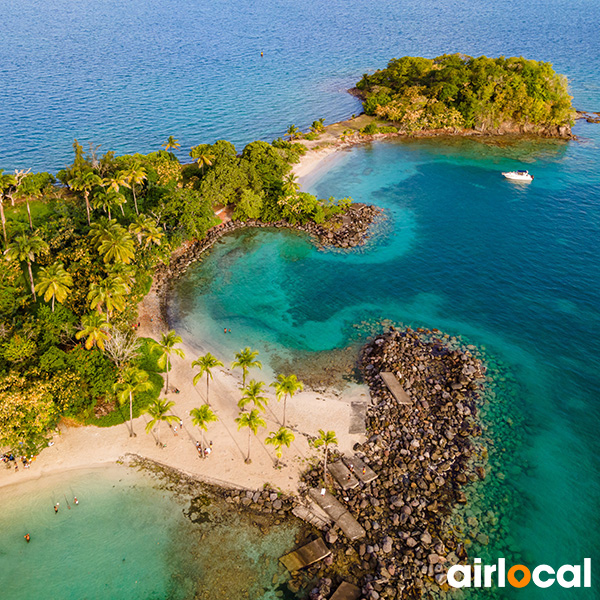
31 279
137 212
3 223
158 433
207 380
131 434
87 207
167 377
29 215
284 405
249 439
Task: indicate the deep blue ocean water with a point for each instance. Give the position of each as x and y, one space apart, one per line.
126 74
512 268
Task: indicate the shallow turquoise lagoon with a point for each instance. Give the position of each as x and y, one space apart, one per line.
513 268
130 539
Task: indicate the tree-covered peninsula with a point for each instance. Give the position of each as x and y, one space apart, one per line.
80 251
458 92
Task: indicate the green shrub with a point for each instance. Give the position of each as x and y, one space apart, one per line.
369 129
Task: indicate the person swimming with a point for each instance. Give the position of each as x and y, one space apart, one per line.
27 538
75 501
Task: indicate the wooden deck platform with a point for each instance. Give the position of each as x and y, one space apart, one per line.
352 529
392 383
342 474
346 591
307 555
361 470
310 516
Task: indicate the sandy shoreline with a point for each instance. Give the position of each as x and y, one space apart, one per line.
89 446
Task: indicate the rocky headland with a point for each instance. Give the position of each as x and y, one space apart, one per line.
344 231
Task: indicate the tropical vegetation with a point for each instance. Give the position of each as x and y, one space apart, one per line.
80 250
455 91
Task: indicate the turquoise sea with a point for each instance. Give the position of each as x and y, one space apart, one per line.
514 269
130 538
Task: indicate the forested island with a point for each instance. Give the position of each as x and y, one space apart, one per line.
80 252
456 92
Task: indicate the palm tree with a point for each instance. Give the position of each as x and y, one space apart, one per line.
171 144
292 132
318 126
286 386
132 381
244 359
25 248
206 363
113 185
54 282
158 411
252 393
84 182
167 346
27 189
116 182
290 184
7 182
325 439
95 328
114 243
252 421
110 294
135 176
107 200
201 417
204 160
144 229
282 437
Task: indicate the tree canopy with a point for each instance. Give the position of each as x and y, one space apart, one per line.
458 91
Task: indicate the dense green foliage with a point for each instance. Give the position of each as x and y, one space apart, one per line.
457 91
80 256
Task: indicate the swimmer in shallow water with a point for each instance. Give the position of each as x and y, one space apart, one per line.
27 538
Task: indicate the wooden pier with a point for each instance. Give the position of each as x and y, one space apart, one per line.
361 470
392 383
342 474
306 556
352 529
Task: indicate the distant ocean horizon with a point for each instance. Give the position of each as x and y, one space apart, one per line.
513 269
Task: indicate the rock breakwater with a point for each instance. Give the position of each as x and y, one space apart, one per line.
345 231
422 456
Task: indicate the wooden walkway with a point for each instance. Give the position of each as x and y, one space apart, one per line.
342 474
395 388
346 591
360 469
339 513
310 516
306 556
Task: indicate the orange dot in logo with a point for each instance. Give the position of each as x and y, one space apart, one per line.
516 582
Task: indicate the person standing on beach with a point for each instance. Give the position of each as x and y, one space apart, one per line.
56 508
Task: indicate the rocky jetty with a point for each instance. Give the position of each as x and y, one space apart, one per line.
422 455
344 231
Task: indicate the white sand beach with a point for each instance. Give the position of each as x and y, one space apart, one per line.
307 412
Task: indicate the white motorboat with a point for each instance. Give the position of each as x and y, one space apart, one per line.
518 176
